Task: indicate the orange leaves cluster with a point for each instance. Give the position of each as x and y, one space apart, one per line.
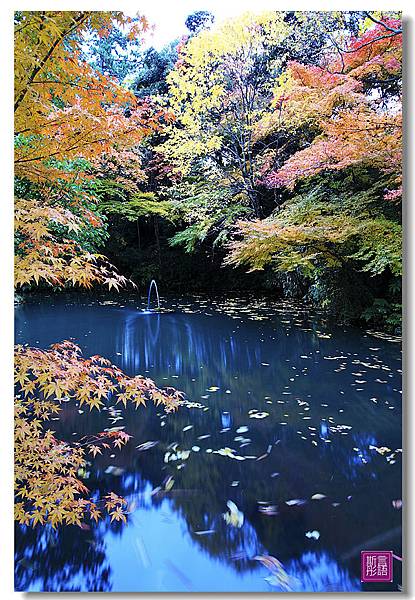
68 119
354 137
64 109
63 372
47 484
377 51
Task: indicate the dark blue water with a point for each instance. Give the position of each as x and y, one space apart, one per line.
305 406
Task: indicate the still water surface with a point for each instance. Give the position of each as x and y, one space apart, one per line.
306 407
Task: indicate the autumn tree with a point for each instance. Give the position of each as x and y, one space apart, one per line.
220 93
218 90
334 139
47 484
69 118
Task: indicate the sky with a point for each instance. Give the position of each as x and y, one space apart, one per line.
169 16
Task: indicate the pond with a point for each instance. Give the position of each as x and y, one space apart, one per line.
289 446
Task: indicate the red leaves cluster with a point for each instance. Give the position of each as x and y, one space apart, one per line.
355 125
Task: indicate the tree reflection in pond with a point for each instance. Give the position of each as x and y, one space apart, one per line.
306 410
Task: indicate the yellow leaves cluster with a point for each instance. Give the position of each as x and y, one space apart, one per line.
289 245
42 257
65 113
47 487
212 90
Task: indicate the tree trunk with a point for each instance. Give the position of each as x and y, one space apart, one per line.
138 235
157 234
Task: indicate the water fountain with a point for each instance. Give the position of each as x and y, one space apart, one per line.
153 284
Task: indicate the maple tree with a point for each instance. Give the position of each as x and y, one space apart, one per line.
69 119
346 104
47 484
218 90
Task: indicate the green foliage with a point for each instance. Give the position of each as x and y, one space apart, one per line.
114 54
116 200
208 206
149 76
382 312
198 20
321 229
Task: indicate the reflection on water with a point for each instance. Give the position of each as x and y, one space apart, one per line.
288 424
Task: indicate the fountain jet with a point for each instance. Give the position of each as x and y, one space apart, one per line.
153 284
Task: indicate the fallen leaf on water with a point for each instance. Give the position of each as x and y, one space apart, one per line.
383 450
270 510
169 483
117 471
229 452
262 456
234 517
146 446
259 415
242 429
279 576
313 534
295 502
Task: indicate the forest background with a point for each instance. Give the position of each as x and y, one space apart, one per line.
261 153
7 217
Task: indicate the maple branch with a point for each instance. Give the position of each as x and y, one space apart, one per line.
69 83
78 21
369 16
381 37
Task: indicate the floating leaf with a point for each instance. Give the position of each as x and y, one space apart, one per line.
296 502
279 577
259 415
117 471
169 483
242 429
234 516
146 446
313 534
